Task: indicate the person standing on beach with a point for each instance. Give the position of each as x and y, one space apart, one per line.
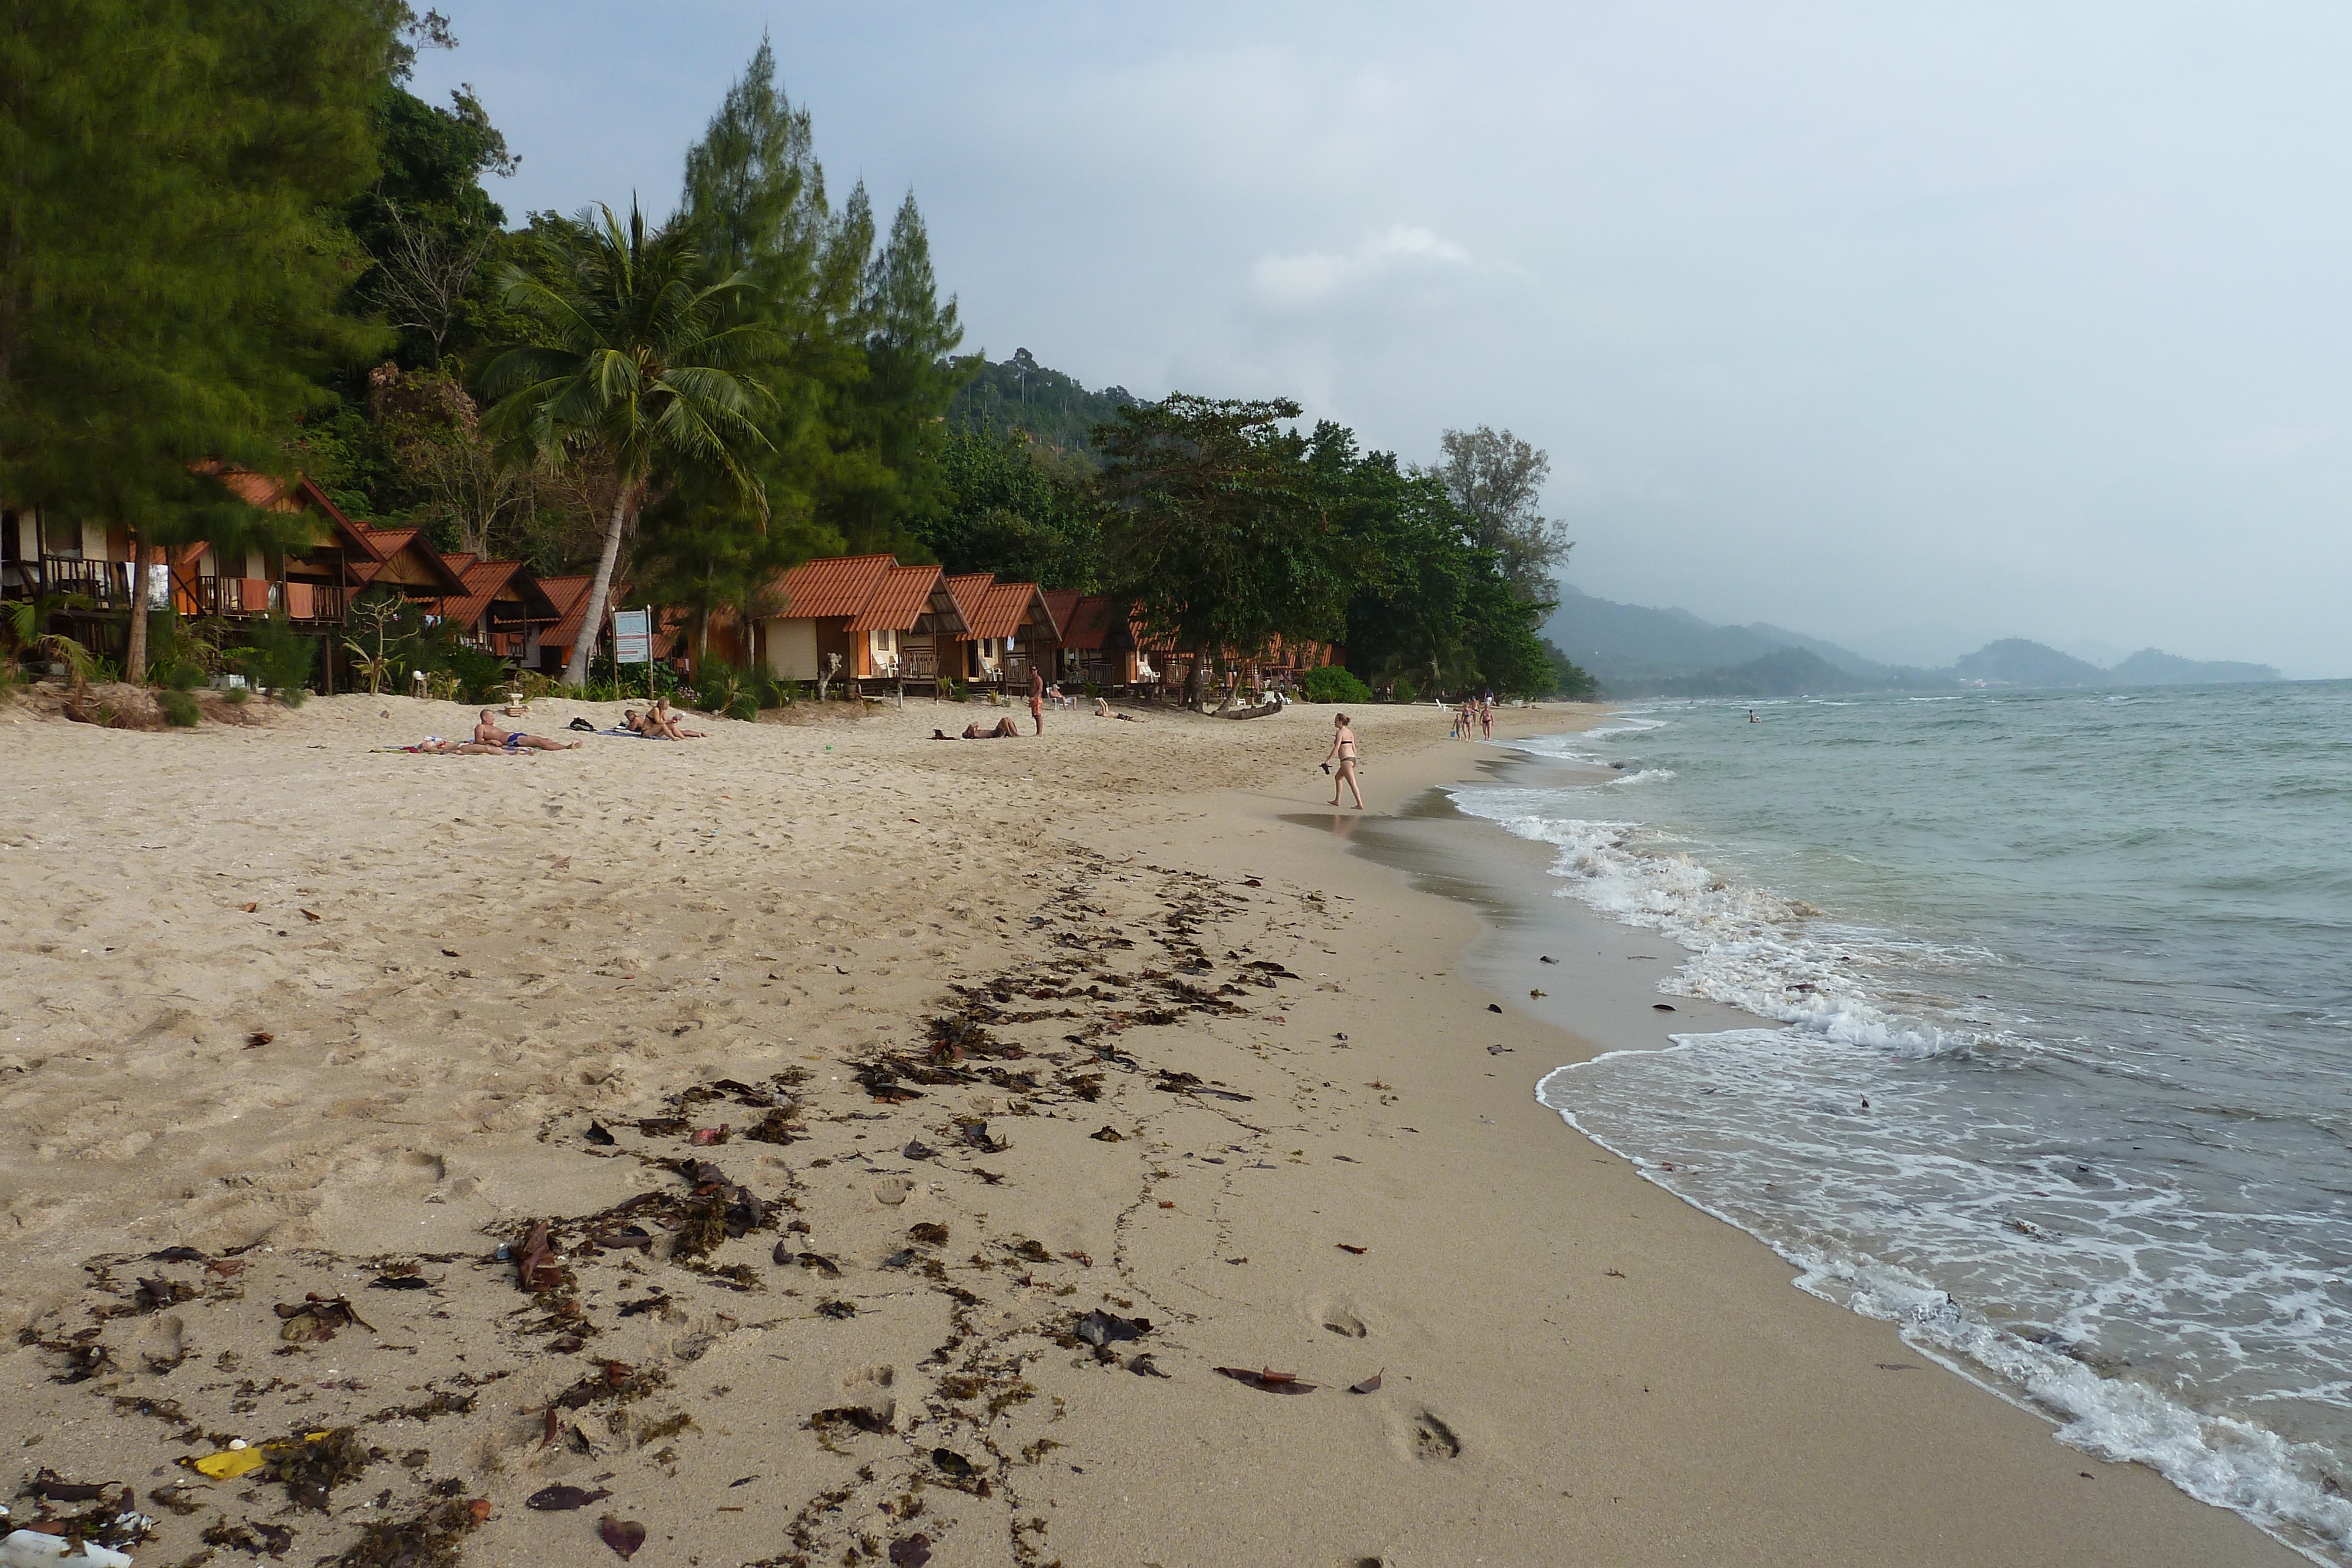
1037 696
1343 752
1486 715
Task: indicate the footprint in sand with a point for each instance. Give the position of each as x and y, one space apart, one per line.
868 1388
1345 1324
892 1190
1434 1439
162 1343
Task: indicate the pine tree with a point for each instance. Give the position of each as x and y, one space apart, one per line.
167 284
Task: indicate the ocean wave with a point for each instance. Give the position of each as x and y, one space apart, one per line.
1828 1142
1773 956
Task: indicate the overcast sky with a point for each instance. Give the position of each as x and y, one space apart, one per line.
1953 323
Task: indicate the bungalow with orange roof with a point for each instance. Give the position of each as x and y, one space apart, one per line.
862 618
1008 622
1096 646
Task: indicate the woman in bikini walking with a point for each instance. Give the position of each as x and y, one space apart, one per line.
1343 752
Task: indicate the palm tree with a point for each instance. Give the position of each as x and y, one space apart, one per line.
630 358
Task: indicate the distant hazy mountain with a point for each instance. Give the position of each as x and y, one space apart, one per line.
2150 667
1630 644
1634 651
2014 662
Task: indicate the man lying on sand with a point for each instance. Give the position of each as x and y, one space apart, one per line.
1102 710
1005 730
489 736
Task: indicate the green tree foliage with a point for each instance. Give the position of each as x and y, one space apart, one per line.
1022 395
429 224
1569 678
1497 479
892 420
634 363
1334 684
1215 530
168 278
1428 601
1018 510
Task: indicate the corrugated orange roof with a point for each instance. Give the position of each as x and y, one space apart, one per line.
569 596
460 559
483 580
837 585
1087 623
255 489
1003 608
969 591
899 600
1064 604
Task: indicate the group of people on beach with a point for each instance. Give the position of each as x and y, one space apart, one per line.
659 722
1473 718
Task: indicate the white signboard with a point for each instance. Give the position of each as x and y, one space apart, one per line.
632 636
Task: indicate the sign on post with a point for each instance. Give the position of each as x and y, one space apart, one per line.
632 636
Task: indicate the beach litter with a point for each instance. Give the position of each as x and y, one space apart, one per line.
32 1549
1370 1384
912 1552
1267 1381
1099 1328
558 1499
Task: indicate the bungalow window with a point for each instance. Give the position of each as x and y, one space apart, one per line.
61 537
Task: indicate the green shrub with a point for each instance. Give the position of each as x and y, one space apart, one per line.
179 707
483 676
237 697
1332 683
278 656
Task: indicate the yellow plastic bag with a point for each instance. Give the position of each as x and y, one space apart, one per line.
231 1463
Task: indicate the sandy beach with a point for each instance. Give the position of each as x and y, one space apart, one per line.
917 1130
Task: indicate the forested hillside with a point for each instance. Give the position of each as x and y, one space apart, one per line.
1021 395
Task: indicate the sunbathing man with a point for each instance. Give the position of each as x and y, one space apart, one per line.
488 734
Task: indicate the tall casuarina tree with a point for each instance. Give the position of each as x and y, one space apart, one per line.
633 360
168 290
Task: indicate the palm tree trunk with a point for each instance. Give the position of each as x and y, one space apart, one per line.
134 651
592 614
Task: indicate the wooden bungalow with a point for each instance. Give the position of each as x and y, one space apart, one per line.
1008 621
880 620
820 599
1095 646
503 608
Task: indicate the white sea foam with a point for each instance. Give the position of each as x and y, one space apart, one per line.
1885 1142
1825 1169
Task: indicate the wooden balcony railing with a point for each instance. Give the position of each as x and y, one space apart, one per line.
103 582
243 597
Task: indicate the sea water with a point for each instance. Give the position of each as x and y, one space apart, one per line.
2058 1068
